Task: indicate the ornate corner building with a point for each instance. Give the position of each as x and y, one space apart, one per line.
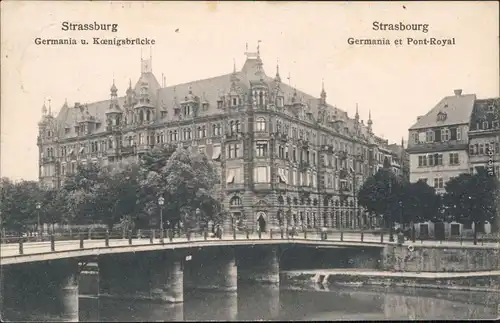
285 157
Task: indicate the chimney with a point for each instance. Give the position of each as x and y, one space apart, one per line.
419 117
458 92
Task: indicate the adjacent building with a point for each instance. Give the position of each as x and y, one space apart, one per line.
438 143
285 157
484 136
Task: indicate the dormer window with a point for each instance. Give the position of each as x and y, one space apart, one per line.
187 110
441 116
494 124
219 104
235 102
204 106
485 125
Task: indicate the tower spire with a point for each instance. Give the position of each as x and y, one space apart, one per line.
370 122
44 109
357 112
50 108
277 78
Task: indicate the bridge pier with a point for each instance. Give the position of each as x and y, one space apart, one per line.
259 264
151 276
211 269
47 290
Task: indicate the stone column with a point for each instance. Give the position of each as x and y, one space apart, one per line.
258 264
47 290
211 269
68 294
152 276
167 282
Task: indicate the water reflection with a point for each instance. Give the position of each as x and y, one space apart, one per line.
271 303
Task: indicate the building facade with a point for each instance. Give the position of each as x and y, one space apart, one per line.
285 157
438 142
484 136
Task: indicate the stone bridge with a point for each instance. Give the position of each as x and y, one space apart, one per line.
160 269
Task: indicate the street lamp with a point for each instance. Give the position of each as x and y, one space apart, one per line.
38 207
161 201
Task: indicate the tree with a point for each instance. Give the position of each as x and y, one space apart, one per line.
103 195
472 198
18 205
420 203
382 193
185 179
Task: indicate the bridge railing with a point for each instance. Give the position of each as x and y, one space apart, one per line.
105 238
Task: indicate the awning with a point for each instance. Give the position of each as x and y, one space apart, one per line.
230 176
281 174
216 152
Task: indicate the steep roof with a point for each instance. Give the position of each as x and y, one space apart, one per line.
208 90
455 109
484 110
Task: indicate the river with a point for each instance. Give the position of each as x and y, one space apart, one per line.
285 303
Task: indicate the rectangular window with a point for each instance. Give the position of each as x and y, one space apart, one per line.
445 135
261 148
439 159
261 174
459 133
453 133
453 159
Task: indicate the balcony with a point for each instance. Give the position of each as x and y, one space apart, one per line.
327 148
127 150
303 143
343 173
50 159
283 137
342 155
360 158
304 166
232 136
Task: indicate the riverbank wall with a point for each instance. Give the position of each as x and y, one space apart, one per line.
484 281
415 258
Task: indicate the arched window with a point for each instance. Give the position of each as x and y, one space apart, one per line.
260 124
148 115
235 201
261 98
141 115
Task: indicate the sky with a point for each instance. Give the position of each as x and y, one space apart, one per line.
395 83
